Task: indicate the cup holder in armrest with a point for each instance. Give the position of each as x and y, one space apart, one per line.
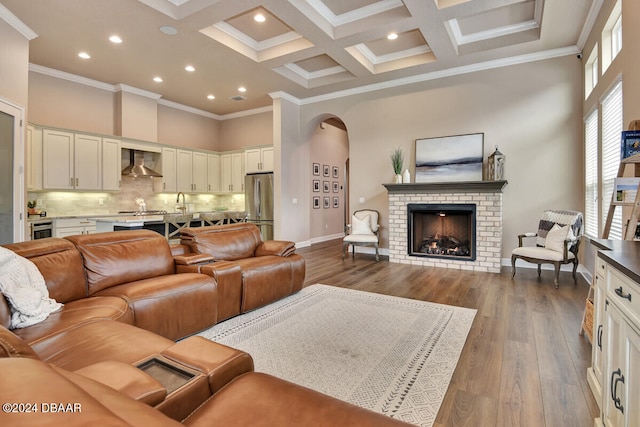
170 376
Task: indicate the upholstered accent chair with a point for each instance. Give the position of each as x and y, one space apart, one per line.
557 242
362 231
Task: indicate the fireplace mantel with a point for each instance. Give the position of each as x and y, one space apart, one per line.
448 187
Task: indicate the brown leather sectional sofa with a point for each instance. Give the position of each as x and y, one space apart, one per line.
109 356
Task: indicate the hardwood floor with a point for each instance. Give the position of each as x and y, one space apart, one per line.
524 362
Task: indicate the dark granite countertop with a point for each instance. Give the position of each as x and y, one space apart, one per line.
622 254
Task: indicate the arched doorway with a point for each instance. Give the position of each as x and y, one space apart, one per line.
329 154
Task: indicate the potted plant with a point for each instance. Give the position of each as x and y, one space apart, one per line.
31 204
397 161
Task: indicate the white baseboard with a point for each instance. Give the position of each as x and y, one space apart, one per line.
321 239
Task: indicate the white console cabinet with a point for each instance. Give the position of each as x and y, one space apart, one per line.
615 372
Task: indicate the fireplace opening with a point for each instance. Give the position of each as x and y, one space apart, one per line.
442 230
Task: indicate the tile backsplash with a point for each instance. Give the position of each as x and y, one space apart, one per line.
73 203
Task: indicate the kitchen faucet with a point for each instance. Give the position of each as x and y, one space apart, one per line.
183 208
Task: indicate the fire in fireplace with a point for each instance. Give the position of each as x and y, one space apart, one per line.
442 230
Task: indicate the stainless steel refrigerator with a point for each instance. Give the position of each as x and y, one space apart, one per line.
258 199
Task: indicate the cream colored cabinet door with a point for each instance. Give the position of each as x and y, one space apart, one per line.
259 160
621 388
34 158
167 167
237 172
57 160
111 164
199 172
88 162
226 166
184 169
213 173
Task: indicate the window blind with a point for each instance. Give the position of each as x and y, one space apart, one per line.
611 133
591 175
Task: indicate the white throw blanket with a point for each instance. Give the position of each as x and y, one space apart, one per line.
23 285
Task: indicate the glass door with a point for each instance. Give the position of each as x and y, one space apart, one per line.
11 174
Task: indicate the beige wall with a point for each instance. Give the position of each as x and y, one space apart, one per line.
177 127
255 129
65 104
532 111
14 65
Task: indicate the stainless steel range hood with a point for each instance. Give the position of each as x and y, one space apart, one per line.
136 166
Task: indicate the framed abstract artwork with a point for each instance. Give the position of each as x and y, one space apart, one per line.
450 158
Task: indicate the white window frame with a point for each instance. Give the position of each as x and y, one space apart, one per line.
591 215
612 37
611 130
591 72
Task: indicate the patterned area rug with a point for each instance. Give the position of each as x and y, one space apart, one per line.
391 355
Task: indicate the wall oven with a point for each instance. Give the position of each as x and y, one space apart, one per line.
41 229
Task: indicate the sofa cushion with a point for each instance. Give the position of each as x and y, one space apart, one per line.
225 242
77 312
49 255
12 345
173 306
100 340
5 312
257 399
111 259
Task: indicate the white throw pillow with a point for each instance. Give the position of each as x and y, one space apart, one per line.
556 237
361 226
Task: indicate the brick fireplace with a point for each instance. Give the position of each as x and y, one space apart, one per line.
484 198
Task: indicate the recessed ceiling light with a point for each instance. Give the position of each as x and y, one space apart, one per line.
190 68
211 97
168 30
242 89
115 39
157 79
259 17
392 36
84 55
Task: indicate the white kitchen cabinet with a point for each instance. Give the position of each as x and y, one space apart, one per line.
199 176
87 157
184 171
64 227
34 158
259 159
620 348
232 173
57 164
213 173
111 164
167 167
71 161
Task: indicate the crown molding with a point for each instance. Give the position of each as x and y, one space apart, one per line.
589 23
71 77
188 109
286 96
16 23
136 91
246 113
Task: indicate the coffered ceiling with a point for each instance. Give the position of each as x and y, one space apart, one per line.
309 49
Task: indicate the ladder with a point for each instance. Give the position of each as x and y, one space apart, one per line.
632 222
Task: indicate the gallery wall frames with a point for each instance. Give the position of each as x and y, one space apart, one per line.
325 186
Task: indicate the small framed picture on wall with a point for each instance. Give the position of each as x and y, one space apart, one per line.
316 202
316 185
336 172
327 202
336 202
325 187
316 169
336 187
325 170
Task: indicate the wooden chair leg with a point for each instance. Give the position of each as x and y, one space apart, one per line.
575 268
513 266
539 269
555 279
377 254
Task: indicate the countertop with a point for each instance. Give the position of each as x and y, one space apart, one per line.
622 254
